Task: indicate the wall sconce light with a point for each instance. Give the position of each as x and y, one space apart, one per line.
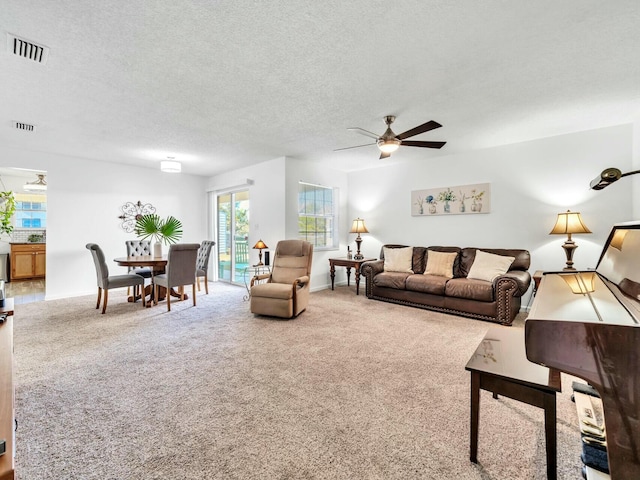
358 227
568 223
260 245
607 177
170 165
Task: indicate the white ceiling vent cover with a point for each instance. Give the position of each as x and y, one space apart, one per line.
26 127
27 49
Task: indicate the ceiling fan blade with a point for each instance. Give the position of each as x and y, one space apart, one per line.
357 146
384 155
417 143
362 131
425 127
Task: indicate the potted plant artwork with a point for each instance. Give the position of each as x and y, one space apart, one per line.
432 203
151 226
476 206
447 196
419 202
463 197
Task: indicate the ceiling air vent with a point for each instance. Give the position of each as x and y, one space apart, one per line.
24 126
27 49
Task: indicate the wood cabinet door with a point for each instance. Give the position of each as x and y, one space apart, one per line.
40 264
22 265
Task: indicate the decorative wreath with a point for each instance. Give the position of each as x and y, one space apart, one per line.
132 212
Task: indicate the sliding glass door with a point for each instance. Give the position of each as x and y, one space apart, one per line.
233 236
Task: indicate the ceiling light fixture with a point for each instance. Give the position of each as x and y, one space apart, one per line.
170 165
39 185
389 145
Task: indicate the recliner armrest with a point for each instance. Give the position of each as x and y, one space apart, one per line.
301 280
262 276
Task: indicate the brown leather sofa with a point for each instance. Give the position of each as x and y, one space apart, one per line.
498 301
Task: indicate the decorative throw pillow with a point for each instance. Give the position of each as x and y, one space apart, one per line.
440 263
398 259
488 266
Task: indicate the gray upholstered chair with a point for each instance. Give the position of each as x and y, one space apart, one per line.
139 248
107 282
202 263
286 291
181 271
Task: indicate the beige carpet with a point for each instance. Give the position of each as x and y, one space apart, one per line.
351 389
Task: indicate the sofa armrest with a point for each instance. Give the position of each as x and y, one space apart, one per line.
521 278
371 269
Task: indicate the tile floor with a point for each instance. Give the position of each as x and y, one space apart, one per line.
26 291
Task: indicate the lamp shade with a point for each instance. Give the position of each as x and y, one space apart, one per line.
358 226
568 223
388 145
260 245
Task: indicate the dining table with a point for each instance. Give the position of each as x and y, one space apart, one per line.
158 266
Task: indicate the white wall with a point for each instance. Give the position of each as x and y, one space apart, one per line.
84 200
530 184
267 197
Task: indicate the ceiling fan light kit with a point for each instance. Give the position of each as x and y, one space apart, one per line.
389 142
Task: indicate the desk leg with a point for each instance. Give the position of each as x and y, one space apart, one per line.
348 275
550 434
475 415
332 270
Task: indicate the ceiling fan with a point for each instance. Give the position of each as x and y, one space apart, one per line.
389 141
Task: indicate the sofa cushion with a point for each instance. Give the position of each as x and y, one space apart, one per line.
440 263
434 284
398 259
488 266
391 280
470 289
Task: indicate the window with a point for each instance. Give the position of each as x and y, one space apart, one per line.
31 211
316 215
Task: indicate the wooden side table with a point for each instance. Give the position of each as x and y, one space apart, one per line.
500 365
537 277
349 263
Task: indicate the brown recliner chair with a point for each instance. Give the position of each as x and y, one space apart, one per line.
286 291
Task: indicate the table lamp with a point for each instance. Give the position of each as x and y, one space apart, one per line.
358 227
567 223
260 245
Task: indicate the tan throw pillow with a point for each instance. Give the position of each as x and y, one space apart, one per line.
488 266
398 259
440 263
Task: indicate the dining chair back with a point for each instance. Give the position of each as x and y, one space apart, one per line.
180 271
139 248
106 282
202 263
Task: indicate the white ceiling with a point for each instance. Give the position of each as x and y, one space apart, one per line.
224 84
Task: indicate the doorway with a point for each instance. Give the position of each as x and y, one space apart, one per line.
233 236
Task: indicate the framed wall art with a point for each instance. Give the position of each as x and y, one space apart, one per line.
456 200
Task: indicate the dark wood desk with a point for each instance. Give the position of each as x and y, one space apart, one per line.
349 263
158 265
499 365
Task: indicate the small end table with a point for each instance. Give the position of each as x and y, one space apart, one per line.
349 263
254 270
499 365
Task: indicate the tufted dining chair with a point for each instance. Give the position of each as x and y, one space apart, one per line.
286 291
106 282
181 271
139 248
202 263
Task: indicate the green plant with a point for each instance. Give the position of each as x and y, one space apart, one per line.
152 226
447 196
7 209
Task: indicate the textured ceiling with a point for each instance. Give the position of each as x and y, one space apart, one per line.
224 84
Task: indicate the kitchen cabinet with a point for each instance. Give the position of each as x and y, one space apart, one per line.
28 260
